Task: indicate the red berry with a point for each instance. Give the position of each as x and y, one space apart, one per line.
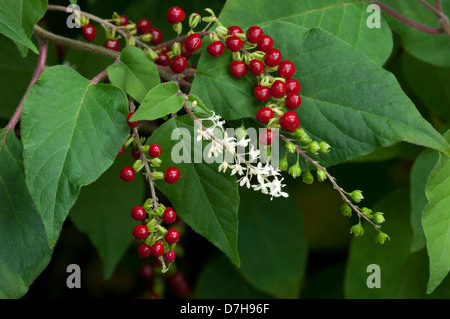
264 115
266 137
112 44
193 42
286 69
122 149
170 256
157 36
186 53
169 215
166 49
292 101
88 32
136 153
172 236
273 57
132 124
157 249
238 69
127 174
254 34
123 20
143 26
175 15
234 29
138 213
144 251
289 121
278 89
154 150
234 43
146 270
215 48
292 86
262 93
265 43
171 175
163 59
179 284
256 67
140 232
178 64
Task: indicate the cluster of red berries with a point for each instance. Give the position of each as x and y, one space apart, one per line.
157 241
283 89
128 173
143 28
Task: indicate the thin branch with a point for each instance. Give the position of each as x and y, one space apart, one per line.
436 12
408 21
37 73
438 5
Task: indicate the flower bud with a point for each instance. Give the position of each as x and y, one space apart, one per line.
313 147
324 147
176 49
159 210
152 55
283 164
146 37
381 237
346 210
130 42
367 212
148 204
295 170
321 175
157 176
308 178
357 230
378 218
194 19
357 196
155 162
290 147
138 165
177 27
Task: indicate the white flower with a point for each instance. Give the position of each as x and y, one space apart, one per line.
275 188
223 167
237 168
245 181
253 154
215 149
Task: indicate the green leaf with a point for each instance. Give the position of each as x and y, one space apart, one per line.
213 197
221 280
271 231
346 20
71 132
348 100
136 74
430 48
24 251
436 221
28 13
12 28
429 83
102 211
420 171
160 101
403 274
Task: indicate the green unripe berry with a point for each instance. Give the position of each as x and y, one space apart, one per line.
346 210
283 164
381 237
324 147
295 170
290 147
308 178
357 230
367 212
313 147
357 196
378 218
321 175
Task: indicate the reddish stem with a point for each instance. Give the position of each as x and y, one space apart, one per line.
37 73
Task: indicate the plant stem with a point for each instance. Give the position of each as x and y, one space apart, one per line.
177 39
332 180
408 21
37 73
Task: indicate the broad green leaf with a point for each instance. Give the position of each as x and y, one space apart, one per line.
429 83
24 252
71 132
403 274
436 221
221 280
344 19
204 198
102 211
348 100
420 172
263 226
12 28
431 48
160 101
28 13
136 74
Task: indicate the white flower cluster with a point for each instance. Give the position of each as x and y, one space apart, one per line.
267 177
